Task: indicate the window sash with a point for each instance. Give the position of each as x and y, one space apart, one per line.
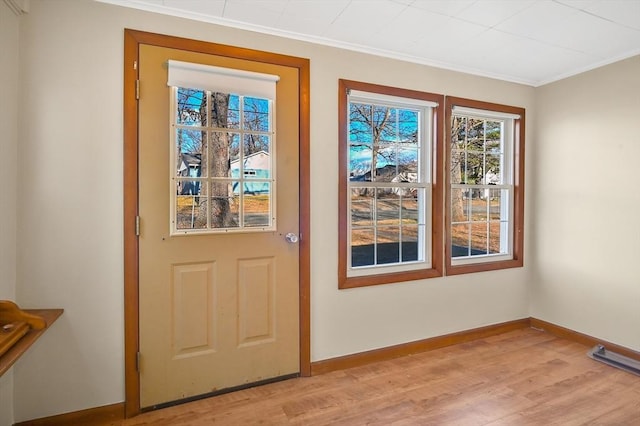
506 222
424 145
507 168
423 225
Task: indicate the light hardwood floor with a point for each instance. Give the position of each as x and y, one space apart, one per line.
523 377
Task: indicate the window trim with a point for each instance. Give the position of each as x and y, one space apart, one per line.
517 153
436 162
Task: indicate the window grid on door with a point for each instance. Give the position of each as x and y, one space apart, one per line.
223 174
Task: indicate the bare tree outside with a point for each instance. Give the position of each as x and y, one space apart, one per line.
216 163
379 130
457 161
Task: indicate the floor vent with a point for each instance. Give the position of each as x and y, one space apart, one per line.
599 353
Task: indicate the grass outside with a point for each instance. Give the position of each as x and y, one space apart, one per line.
188 208
476 233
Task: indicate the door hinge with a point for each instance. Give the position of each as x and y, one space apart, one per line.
137 89
137 226
138 361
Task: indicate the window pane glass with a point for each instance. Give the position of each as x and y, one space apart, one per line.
387 206
386 168
494 136
360 159
360 142
234 150
459 205
410 213
410 238
191 107
497 204
493 172
221 114
383 119
256 114
474 166
458 132
360 130
189 152
233 113
408 125
224 205
495 237
362 247
395 148
257 160
388 245
257 200
191 205
457 167
219 161
475 134
460 244
479 238
407 158
479 204
386 121
361 207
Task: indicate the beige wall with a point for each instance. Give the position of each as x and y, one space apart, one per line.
8 148
586 200
70 218
8 174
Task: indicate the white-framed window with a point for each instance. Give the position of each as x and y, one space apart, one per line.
388 170
485 174
222 148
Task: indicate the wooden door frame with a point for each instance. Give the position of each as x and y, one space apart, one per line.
132 41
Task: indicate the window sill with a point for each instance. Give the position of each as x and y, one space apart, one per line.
379 279
481 267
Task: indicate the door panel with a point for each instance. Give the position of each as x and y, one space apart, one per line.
256 288
193 311
216 310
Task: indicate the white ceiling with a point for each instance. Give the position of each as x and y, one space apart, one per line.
526 41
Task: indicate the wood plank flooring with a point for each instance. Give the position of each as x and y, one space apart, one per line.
523 377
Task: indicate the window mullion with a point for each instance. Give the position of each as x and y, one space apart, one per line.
400 227
241 131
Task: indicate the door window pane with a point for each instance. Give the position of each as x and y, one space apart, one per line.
191 205
191 107
257 211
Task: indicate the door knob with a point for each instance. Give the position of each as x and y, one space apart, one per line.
291 238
